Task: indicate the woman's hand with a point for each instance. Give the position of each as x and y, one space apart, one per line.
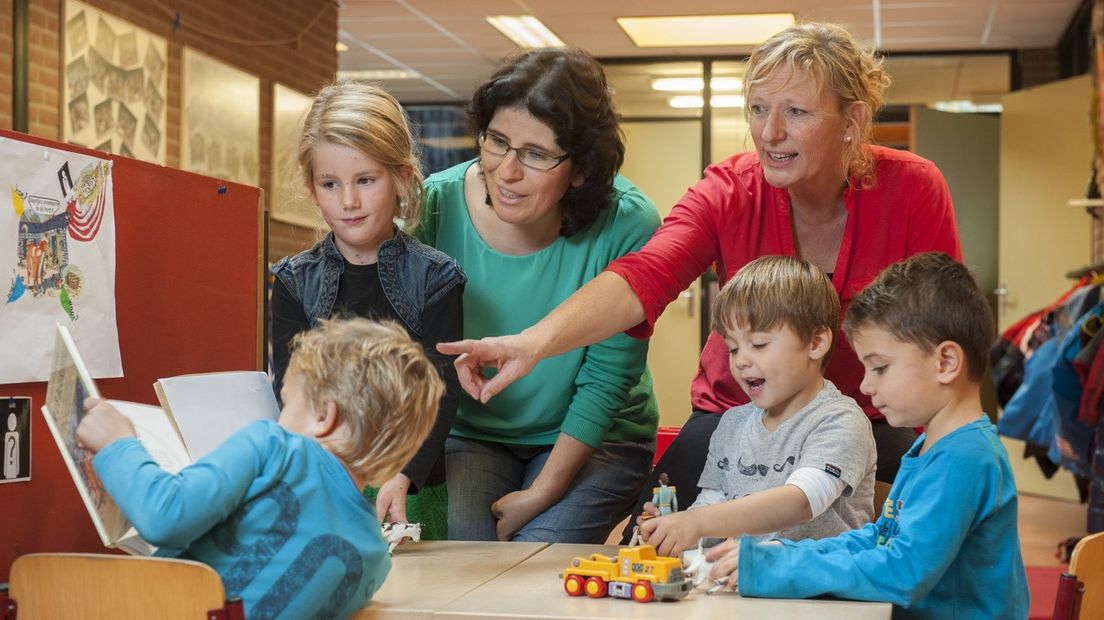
512 356
391 499
671 534
101 425
515 509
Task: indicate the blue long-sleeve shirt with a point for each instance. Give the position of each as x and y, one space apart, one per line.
274 513
944 546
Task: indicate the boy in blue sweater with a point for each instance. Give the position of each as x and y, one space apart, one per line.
276 509
945 543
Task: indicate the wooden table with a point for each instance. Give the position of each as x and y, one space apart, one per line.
533 590
428 575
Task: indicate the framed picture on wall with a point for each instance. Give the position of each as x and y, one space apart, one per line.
220 119
114 84
290 202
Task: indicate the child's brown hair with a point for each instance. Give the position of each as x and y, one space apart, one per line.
385 387
778 290
925 300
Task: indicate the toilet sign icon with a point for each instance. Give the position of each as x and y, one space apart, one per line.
15 424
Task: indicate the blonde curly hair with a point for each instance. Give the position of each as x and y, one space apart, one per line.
835 60
384 386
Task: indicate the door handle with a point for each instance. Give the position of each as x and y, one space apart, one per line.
690 298
1002 298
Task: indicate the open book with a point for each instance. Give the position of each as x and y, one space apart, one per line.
197 413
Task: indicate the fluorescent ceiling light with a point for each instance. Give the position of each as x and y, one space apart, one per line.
377 74
690 30
677 84
341 47
525 30
966 106
695 101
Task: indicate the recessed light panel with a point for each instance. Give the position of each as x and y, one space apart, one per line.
525 30
700 30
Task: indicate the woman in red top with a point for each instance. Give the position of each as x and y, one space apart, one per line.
815 187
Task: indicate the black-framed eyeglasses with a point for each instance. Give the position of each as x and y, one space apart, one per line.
494 144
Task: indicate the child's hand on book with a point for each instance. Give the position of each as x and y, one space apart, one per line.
101 425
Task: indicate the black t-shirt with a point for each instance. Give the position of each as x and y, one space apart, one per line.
360 293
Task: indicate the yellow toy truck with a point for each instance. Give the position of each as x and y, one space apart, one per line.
636 573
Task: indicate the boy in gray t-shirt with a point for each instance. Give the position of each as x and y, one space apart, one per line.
798 460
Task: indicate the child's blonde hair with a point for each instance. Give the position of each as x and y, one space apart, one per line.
778 290
385 387
365 118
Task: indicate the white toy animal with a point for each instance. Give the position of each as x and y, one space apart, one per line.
395 533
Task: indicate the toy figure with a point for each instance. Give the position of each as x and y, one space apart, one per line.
394 533
664 502
664 497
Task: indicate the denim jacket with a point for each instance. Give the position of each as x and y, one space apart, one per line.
413 275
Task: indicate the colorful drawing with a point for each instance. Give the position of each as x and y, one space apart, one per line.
57 257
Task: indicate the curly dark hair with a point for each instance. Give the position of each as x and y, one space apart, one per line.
566 89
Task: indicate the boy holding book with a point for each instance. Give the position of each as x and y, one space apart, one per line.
277 509
945 544
798 460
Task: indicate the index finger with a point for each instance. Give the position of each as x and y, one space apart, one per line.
457 347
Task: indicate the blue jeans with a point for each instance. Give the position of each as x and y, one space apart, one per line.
603 492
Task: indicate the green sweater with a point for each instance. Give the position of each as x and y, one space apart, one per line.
598 393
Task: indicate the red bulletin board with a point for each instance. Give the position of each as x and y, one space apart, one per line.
189 260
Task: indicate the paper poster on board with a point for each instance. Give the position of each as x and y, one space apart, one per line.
114 85
57 260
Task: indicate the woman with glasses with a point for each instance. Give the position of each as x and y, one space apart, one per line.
815 187
560 455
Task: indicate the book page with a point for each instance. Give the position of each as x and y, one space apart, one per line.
156 433
208 408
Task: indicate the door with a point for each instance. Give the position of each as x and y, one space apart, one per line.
663 159
1045 157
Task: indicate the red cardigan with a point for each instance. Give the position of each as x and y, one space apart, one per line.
733 216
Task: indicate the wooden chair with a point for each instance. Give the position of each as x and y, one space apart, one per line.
881 492
1081 589
97 586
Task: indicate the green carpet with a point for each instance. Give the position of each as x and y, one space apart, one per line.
429 506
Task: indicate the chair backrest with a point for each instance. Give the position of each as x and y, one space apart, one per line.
1087 564
881 492
94 586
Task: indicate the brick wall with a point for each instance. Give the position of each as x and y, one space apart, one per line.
218 28
6 63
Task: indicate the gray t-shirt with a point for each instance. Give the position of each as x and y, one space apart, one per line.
830 434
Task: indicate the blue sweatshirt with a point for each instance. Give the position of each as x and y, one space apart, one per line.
274 513
944 546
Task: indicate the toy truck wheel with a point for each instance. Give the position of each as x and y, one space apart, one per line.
642 592
573 585
595 587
